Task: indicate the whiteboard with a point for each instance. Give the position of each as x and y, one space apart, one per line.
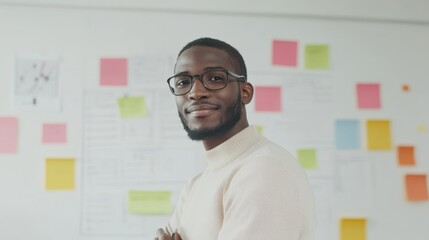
391 54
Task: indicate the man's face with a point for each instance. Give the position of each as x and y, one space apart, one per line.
207 113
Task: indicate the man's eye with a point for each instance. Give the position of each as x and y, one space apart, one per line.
216 78
182 82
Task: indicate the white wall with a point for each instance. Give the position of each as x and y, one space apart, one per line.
390 51
398 10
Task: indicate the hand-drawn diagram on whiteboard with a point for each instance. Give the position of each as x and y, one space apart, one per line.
36 84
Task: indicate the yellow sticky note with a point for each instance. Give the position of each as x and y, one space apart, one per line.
421 128
353 229
149 202
132 107
60 174
378 135
317 57
307 158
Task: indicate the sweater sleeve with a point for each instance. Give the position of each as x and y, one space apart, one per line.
262 201
174 221
174 224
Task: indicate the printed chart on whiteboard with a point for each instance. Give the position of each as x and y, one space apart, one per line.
37 84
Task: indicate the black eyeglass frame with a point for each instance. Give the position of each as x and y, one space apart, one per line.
239 78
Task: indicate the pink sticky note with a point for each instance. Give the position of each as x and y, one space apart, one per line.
113 72
54 133
285 53
368 95
268 99
8 134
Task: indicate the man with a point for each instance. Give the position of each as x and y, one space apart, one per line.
252 188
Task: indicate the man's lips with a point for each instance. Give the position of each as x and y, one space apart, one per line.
201 109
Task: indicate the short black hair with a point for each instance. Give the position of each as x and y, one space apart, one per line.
215 43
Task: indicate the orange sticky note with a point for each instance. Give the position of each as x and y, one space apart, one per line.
416 187
113 72
368 95
8 134
54 133
406 155
268 99
285 53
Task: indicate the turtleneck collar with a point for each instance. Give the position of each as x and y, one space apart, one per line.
229 150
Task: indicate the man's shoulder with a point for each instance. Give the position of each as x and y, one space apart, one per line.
266 149
266 158
192 181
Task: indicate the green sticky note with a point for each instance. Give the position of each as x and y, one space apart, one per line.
317 57
149 202
260 129
132 107
307 158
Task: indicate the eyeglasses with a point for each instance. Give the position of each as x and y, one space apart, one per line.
216 79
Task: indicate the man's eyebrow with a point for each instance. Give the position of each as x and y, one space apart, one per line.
214 68
182 73
205 69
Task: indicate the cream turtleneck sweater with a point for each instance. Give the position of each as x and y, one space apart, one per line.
252 189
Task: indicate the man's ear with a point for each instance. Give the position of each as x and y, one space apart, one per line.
246 93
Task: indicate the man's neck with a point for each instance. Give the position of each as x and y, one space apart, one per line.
213 142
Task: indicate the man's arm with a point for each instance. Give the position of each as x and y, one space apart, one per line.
263 202
162 235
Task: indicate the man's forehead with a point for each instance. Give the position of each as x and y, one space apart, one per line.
202 56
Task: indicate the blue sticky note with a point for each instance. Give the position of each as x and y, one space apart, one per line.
347 134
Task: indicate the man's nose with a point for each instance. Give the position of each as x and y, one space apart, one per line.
198 90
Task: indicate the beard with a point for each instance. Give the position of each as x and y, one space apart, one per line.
232 114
